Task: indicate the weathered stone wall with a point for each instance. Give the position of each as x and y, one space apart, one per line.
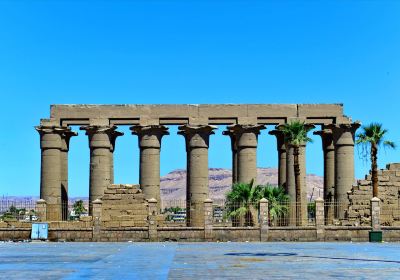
180 234
348 233
334 233
236 234
359 212
301 234
124 206
124 234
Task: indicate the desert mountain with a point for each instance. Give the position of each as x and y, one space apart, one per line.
173 185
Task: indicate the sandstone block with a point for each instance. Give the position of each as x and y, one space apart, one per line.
86 219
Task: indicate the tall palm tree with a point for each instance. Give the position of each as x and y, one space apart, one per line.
295 134
372 137
241 199
277 202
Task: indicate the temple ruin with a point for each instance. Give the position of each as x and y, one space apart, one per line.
196 124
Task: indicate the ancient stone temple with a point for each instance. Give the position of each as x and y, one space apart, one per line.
196 124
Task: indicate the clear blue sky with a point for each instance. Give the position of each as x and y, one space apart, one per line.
56 52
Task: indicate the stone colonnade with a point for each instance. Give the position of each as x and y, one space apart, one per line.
337 140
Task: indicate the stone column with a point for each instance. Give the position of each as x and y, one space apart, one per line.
290 184
303 185
234 155
100 170
149 168
50 178
114 136
65 138
246 142
281 147
329 172
197 143
343 139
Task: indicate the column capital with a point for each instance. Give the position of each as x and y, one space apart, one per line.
246 135
344 133
197 136
149 135
246 128
101 136
94 129
280 138
52 137
352 127
327 138
65 137
114 135
233 139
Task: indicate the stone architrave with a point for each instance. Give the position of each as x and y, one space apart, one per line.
234 155
65 138
114 136
100 164
329 172
51 169
197 143
281 147
343 139
150 145
246 137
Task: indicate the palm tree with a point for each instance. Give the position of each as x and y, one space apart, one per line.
277 202
295 134
372 137
79 207
241 200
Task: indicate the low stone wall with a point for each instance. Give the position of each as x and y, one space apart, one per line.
223 234
15 234
124 235
292 234
180 234
235 234
349 233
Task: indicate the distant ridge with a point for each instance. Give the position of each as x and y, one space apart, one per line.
173 185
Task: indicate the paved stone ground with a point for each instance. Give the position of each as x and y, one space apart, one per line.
199 261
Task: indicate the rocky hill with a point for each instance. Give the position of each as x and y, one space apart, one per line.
173 185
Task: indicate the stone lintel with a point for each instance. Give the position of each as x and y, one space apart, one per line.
198 121
148 121
99 122
245 121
